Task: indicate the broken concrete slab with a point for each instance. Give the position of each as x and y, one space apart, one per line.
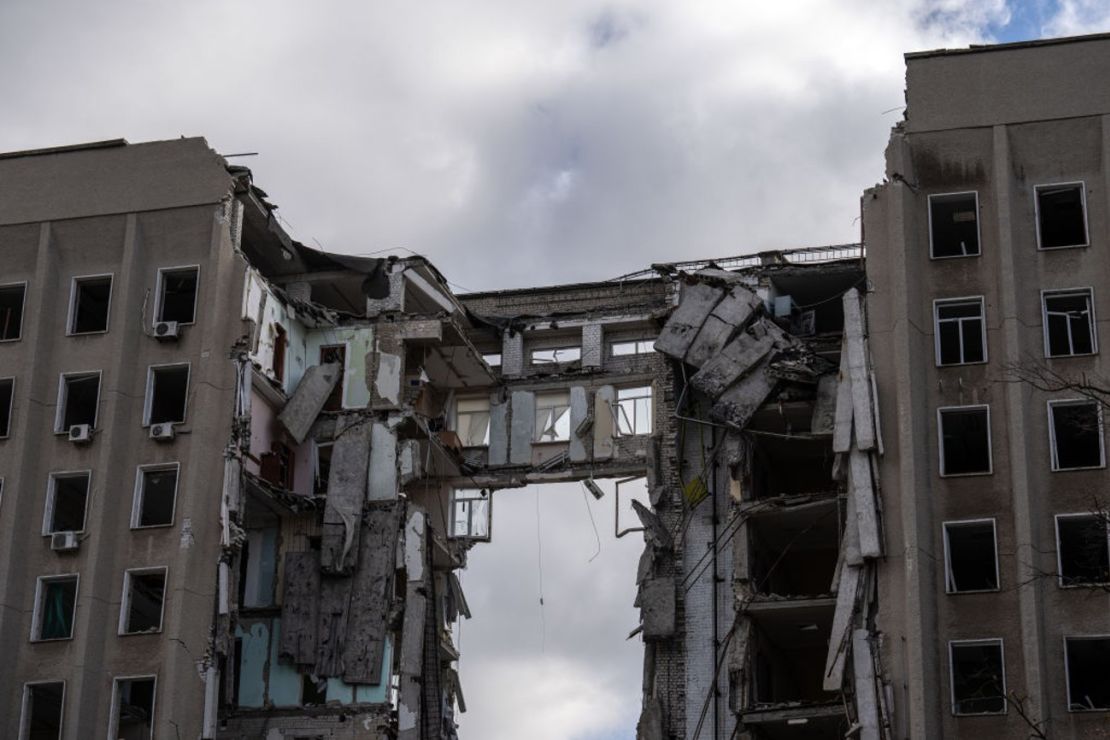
498 430
850 579
863 673
737 358
654 529
726 318
371 588
651 725
308 399
863 496
334 596
605 399
382 483
346 494
522 427
300 607
696 302
862 409
823 421
738 404
579 412
658 607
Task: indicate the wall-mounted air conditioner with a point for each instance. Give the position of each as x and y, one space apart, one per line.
166 331
64 541
80 433
161 432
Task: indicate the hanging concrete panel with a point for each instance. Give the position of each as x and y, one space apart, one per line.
605 399
523 427
346 494
857 369
335 597
300 607
498 431
739 403
695 303
726 318
658 608
371 588
308 400
382 484
824 408
579 412
730 364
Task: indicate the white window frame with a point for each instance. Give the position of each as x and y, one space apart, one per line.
1082 185
63 396
137 498
489 518
158 292
978 225
454 420
1054 454
113 710
941 302
536 439
555 354
487 358
940 440
1067 672
125 600
25 719
1091 320
1060 549
11 408
649 347
618 410
949 576
952 676
22 308
51 491
37 611
148 401
72 315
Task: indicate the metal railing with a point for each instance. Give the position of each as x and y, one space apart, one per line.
802 256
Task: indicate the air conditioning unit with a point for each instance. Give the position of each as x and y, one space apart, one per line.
166 331
64 542
161 432
80 433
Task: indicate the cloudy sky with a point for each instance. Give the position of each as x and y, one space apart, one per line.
517 143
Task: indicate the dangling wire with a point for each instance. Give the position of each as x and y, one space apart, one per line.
586 499
539 562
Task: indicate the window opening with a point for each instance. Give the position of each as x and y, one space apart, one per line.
261 567
1069 327
168 390
633 411
1076 434
1061 216
961 335
637 347
965 445
323 466
336 353
89 300
7 390
156 494
471 514
493 359
144 593
553 417
1088 678
978 677
57 600
42 711
954 225
66 502
11 311
133 709
78 401
971 556
1083 549
277 465
314 691
472 421
555 355
178 295
281 344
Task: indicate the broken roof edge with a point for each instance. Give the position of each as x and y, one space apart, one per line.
102 144
982 48
767 258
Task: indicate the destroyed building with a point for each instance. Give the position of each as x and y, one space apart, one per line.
259 467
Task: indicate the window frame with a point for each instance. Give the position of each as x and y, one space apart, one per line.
618 410
63 396
25 720
125 599
148 400
539 440
1067 673
138 495
22 308
489 517
650 343
938 303
36 613
978 225
113 708
940 441
555 350
1092 320
949 576
7 433
72 314
51 492
158 292
1059 549
952 676
454 417
1054 455
1037 214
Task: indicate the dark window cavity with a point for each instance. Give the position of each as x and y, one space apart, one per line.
1076 432
314 691
972 557
157 492
1088 659
169 388
1083 547
281 344
178 293
965 447
1069 326
89 312
142 602
323 467
961 335
57 601
80 397
133 713
68 499
978 680
1061 216
7 389
42 711
11 311
954 225
335 353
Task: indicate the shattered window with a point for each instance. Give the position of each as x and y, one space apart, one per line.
42 710
177 294
1061 216
67 497
167 390
133 709
471 513
971 556
960 331
7 389
554 355
493 359
954 225
57 600
88 311
553 417
978 677
1083 549
337 354
1076 431
144 592
965 441
156 491
1088 678
1069 327
472 421
11 311
637 347
633 411
78 400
